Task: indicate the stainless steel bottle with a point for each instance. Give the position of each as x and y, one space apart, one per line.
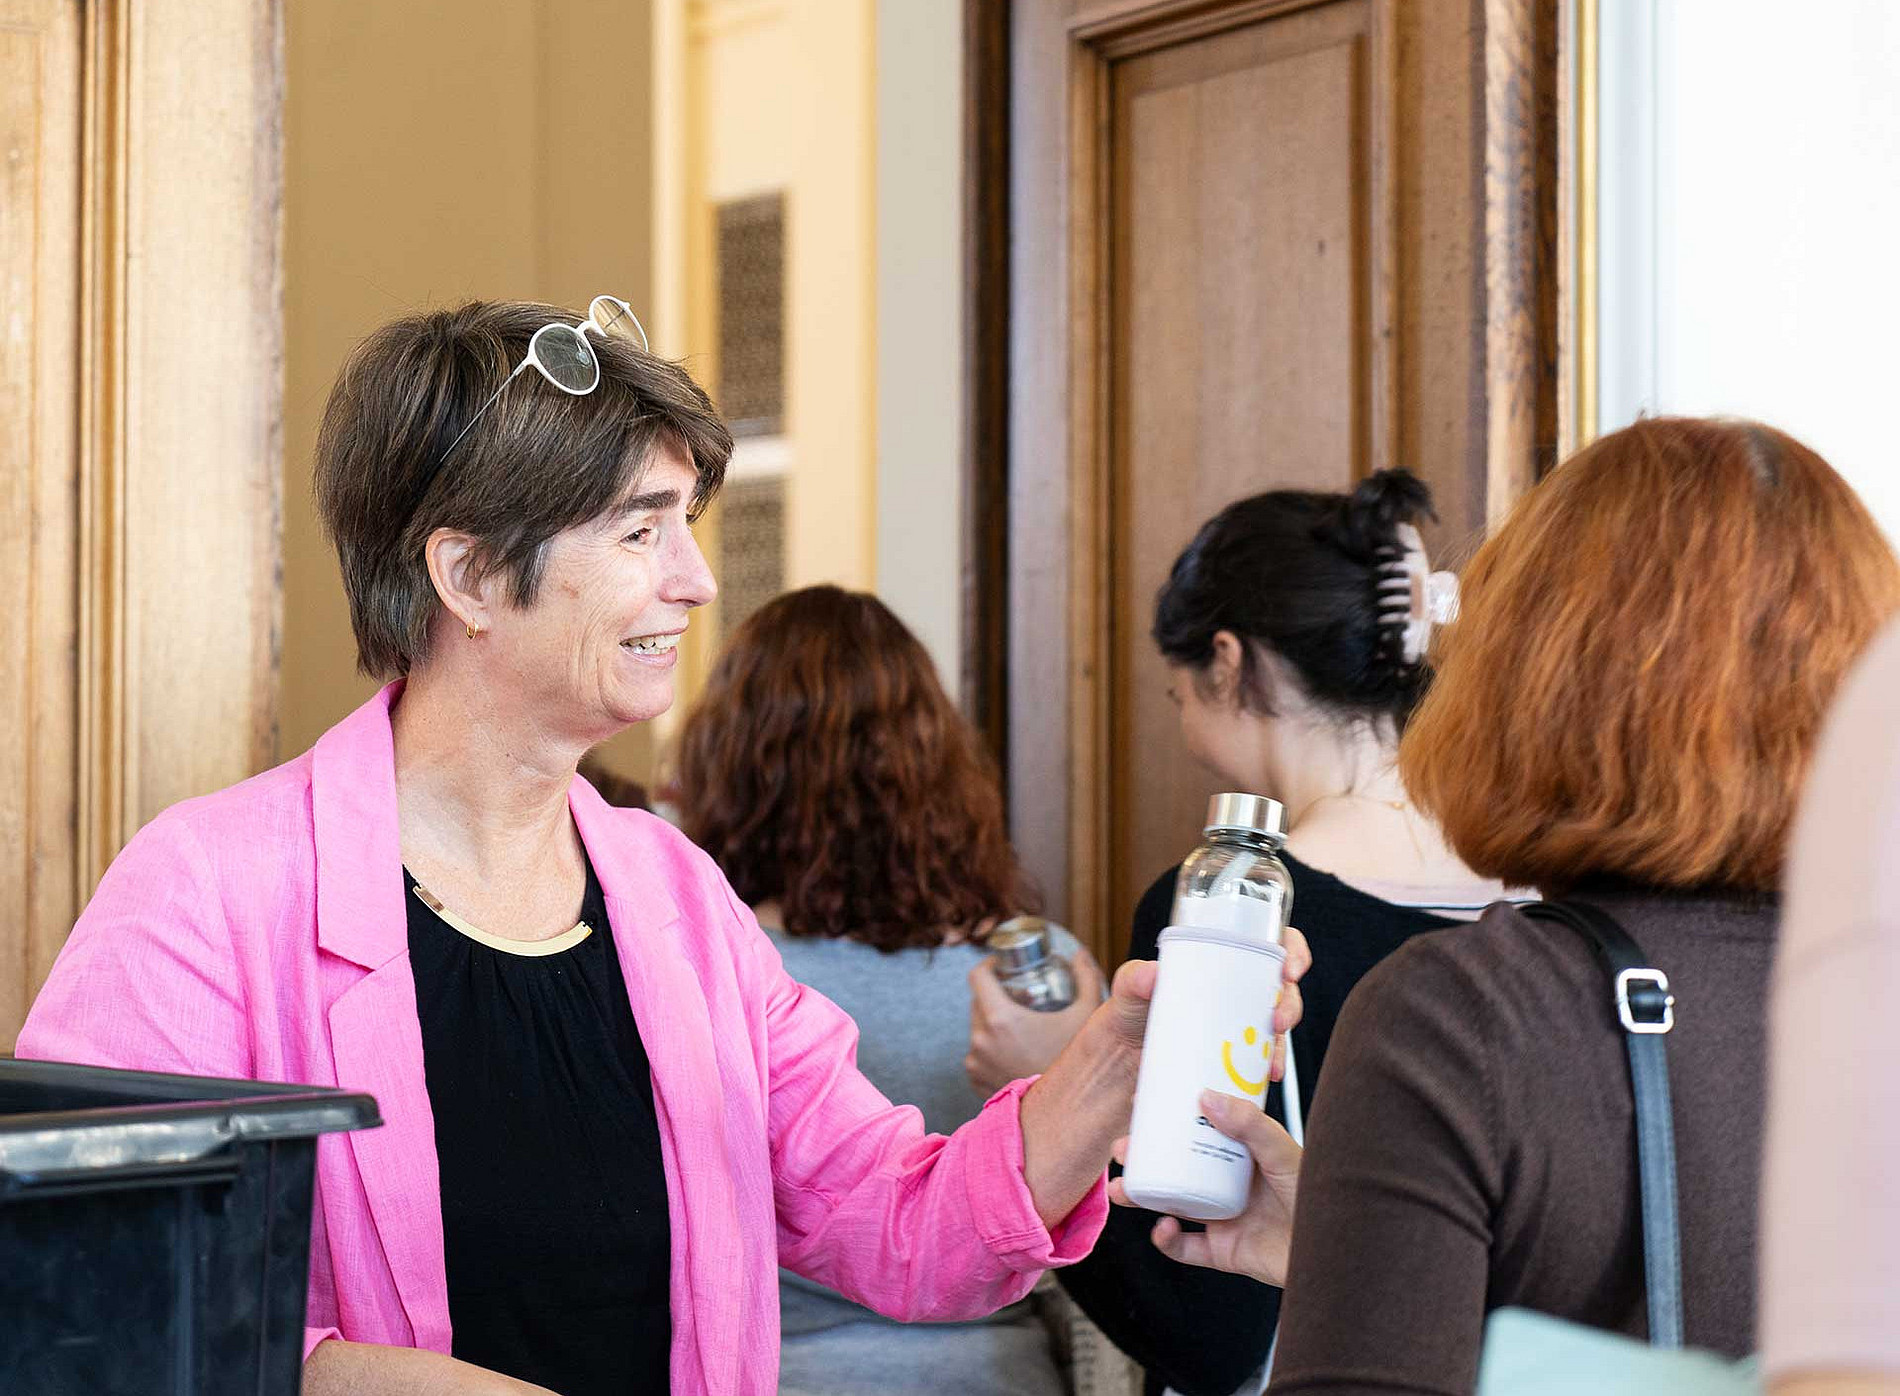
1030 972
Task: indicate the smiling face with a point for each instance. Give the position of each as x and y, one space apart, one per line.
596 651
1241 1062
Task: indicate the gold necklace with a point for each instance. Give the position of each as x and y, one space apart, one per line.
1399 805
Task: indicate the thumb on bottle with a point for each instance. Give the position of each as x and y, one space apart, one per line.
1135 980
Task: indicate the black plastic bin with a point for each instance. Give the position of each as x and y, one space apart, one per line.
155 1230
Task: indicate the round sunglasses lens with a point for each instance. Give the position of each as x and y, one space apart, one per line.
614 318
564 356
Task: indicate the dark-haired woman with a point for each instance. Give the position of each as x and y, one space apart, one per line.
847 801
1295 626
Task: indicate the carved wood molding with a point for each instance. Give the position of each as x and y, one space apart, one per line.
1520 247
1122 30
1091 428
41 63
153 281
1578 27
104 820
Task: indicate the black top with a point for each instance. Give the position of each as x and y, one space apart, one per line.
554 1216
1158 1311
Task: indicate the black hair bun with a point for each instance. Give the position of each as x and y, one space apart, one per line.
1369 517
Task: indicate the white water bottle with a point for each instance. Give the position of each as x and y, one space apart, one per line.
1210 1026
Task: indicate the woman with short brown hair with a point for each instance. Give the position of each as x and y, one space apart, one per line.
611 1114
1623 715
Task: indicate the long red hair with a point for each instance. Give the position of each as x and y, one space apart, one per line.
826 768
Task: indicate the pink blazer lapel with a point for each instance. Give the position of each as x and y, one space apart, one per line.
374 1030
669 1006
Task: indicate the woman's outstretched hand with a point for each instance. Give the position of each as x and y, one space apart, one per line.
1082 1103
1255 1243
1008 1041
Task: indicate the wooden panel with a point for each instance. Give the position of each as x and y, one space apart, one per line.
1521 247
40 52
139 435
1576 289
1242 277
1439 166
203 354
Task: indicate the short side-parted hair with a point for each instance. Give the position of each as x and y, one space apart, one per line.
825 767
1646 650
538 462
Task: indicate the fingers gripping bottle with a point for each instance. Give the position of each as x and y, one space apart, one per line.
1210 1026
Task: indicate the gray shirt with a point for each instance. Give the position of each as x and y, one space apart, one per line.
912 1008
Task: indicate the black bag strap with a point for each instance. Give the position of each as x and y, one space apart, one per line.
1647 1011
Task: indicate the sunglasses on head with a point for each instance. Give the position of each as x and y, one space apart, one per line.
560 353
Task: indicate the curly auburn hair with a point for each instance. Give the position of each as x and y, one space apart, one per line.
1647 647
826 768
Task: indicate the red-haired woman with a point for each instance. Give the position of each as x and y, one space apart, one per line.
1623 715
849 803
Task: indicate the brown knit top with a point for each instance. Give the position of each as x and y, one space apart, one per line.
1473 1145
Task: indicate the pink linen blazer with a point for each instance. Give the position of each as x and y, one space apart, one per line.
260 932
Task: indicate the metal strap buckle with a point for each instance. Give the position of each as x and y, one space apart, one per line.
1657 979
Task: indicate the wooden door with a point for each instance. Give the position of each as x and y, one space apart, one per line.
1258 244
140 382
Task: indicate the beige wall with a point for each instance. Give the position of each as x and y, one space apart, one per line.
764 95
920 323
438 150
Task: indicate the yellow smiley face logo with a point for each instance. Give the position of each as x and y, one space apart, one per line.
1250 1037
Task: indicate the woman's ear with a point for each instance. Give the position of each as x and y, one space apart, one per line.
1224 669
454 572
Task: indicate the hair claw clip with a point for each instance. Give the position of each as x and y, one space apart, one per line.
1413 598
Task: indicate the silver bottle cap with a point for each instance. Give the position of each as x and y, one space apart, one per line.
1019 943
1246 814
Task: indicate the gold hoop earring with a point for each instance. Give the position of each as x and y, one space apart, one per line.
473 630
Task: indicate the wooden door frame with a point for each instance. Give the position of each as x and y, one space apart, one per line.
984 580
1056 642
172 507
173 259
